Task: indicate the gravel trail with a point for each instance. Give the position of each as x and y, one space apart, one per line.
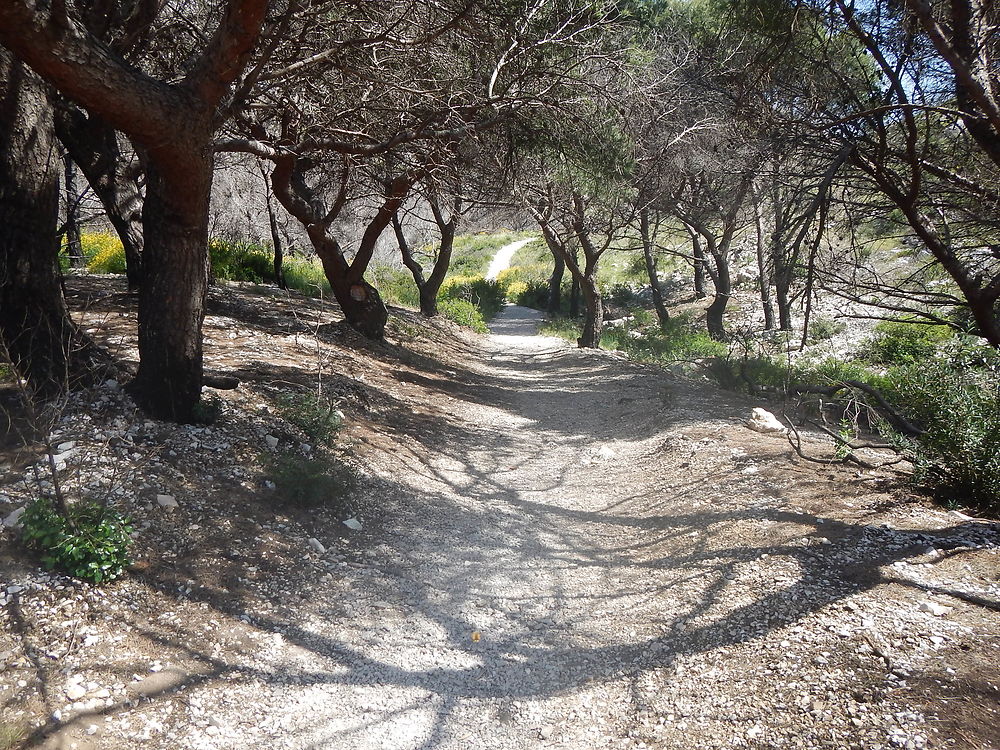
562 548
501 261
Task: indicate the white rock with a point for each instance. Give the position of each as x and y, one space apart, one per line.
14 589
75 691
960 515
63 447
605 452
13 518
166 501
317 545
764 421
934 608
271 440
353 523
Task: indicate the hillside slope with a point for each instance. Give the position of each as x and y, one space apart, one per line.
545 547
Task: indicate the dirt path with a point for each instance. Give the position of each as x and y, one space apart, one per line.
563 549
590 556
501 261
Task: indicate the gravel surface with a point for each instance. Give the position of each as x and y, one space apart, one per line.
559 548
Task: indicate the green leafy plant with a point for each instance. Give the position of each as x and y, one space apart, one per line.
306 275
823 329
487 296
103 252
207 410
91 543
958 456
241 261
464 313
11 735
311 482
902 343
315 414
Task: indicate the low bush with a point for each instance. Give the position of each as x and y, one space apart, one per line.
306 275
103 252
487 296
91 544
241 261
823 329
396 286
902 343
464 313
315 414
958 456
311 482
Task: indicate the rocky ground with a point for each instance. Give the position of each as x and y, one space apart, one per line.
523 545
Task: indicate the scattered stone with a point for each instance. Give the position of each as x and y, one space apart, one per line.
13 518
934 608
353 523
764 421
317 545
75 691
605 453
166 501
271 440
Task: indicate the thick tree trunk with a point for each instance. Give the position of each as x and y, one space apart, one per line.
554 301
782 295
699 268
35 328
662 314
172 298
74 243
715 315
593 320
94 147
362 306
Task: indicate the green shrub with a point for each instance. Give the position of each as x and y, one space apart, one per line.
396 286
311 482
316 415
488 296
103 252
901 343
535 295
958 457
92 544
464 313
823 329
306 275
241 261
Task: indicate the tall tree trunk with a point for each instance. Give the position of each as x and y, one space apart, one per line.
35 328
279 253
554 302
654 281
699 267
74 243
763 272
593 319
172 298
715 315
96 150
574 291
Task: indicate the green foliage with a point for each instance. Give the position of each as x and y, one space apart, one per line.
487 296
315 414
306 275
396 286
91 544
241 261
680 341
958 457
901 343
464 313
207 410
823 329
311 482
103 252
11 735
